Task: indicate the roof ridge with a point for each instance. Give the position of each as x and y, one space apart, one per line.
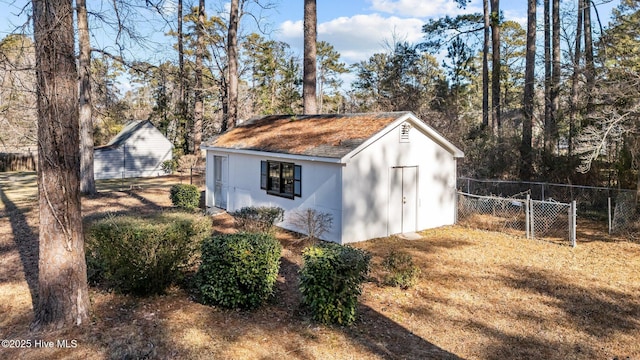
295 117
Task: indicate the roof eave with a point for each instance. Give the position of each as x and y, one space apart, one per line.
272 154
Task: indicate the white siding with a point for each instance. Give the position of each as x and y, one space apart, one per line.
320 189
107 163
366 186
144 151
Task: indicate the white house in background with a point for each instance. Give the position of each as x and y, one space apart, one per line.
137 151
376 174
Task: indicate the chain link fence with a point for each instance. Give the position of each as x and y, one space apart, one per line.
623 213
518 216
618 207
492 213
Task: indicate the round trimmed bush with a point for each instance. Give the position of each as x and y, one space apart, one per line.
331 281
239 270
185 196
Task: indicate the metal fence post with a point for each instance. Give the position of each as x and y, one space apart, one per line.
609 213
456 204
572 223
532 221
526 215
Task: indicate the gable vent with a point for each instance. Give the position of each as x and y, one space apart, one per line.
404 132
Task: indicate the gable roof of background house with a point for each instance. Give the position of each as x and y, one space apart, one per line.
125 134
326 135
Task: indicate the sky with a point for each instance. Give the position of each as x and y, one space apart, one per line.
360 28
356 28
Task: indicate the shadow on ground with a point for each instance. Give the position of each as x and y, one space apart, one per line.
27 243
597 311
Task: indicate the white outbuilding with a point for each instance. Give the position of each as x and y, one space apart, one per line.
137 151
377 174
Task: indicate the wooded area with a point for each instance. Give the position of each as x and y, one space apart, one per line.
521 102
553 124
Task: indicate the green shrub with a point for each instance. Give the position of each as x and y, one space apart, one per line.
238 270
331 280
185 196
143 256
169 166
400 270
258 219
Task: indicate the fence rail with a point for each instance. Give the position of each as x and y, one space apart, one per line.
531 218
619 207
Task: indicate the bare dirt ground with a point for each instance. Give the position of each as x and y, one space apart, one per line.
481 295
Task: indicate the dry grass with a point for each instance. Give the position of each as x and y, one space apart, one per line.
481 295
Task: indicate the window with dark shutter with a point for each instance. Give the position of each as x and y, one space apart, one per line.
281 178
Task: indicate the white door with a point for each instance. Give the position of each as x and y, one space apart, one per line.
220 181
403 200
409 199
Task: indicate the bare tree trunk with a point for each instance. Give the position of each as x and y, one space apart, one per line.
547 72
555 77
321 90
62 282
495 63
309 66
180 58
485 66
588 55
526 169
638 189
573 105
198 98
231 118
87 180
182 123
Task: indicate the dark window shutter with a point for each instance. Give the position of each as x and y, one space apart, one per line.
297 180
263 175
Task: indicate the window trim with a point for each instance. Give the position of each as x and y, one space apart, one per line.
296 179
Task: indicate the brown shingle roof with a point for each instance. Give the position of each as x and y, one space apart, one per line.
315 135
